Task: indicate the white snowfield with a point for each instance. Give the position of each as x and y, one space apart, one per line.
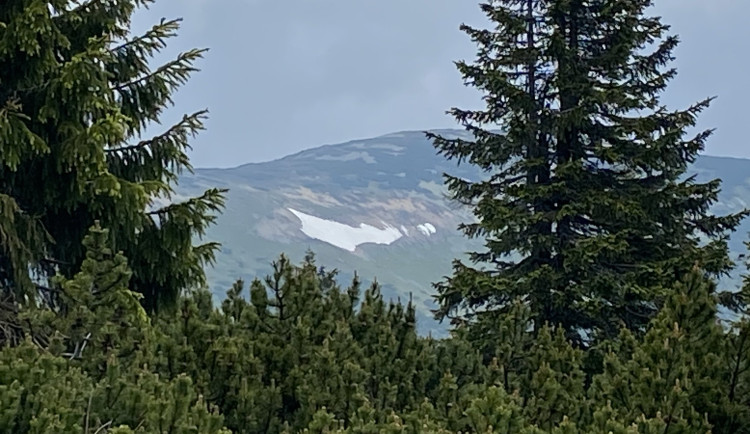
426 228
349 237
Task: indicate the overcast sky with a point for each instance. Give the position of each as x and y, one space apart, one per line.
285 75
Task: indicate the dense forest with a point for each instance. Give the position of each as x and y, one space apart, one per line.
594 307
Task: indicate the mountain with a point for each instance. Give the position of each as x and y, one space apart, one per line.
375 206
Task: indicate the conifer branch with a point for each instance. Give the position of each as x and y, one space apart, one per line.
189 125
158 33
177 70
104 427
210 200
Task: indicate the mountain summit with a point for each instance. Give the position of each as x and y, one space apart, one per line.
375 206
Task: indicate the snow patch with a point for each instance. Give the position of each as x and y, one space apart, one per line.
404 230
345 236
396 149
427 228
351 156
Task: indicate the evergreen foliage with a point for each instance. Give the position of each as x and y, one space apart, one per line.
77 94
303 354
84 364
316 371
585 209
87 256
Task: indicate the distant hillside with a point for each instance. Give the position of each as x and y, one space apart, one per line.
376 206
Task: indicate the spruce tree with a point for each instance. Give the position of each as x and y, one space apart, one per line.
77 94
583 202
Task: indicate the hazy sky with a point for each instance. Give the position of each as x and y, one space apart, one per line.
285 75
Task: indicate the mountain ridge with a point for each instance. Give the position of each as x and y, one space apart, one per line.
397 133
331 198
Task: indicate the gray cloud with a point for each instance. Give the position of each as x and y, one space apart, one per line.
285 75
